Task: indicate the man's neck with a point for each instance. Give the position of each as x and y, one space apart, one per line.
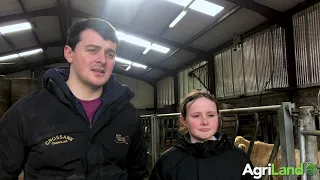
82 91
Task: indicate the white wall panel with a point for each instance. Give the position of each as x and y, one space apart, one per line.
143 91
259 63
306 27
165 90
187 84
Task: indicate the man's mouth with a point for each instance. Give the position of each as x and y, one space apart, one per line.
99 70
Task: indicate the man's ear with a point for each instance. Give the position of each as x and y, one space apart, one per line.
68 53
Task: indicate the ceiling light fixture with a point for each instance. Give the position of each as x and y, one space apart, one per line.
15 28
22 54
141 42
125 61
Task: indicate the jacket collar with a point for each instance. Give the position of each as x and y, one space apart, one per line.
204 149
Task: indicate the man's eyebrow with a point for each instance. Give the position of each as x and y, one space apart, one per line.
94 46
110 50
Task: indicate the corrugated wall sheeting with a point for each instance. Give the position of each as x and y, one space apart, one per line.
302 69
259 63
263 59
249 65
143 91
279 59
307 45
227 72
314 36
237 65
165 91
218 75
187 84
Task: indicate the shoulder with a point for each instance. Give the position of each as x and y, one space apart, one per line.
21 108
238 154
169 160
27 101
171 157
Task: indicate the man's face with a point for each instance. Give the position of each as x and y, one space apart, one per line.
92 60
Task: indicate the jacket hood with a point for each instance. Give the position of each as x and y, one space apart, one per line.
57 77
204 149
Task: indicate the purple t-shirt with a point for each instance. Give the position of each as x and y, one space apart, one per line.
91 107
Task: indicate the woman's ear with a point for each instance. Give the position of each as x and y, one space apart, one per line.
182 121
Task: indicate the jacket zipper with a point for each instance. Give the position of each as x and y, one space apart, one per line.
82 113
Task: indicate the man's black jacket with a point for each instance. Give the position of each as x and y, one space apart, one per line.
47 134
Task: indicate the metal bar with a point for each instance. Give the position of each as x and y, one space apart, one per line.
250 109
236 128
199 80
311 133
232 111
171 114
172 131
154 138
302 148
254 134
273 153
198 68
163 136
308 125
286 137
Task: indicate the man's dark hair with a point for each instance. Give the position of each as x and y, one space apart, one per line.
104 28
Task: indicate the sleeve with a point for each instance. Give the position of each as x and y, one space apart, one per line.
12 152
138 158
158 172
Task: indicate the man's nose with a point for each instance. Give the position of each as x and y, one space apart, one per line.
101 58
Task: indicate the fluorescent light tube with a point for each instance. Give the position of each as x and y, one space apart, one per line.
178 18
123 60
121 35
137 41
159 48
139 65
146 50
12 56
129 67
130 63
15 27
27 53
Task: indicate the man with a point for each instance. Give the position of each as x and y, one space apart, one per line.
81 125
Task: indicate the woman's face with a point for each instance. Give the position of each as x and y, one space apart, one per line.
202 119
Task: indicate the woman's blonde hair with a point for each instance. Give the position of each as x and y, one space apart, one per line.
191 97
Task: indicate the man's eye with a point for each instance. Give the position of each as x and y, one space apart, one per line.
110 55
91 50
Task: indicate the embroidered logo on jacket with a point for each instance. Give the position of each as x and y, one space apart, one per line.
121 140
58 139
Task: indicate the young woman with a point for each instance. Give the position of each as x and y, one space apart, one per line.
201 153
